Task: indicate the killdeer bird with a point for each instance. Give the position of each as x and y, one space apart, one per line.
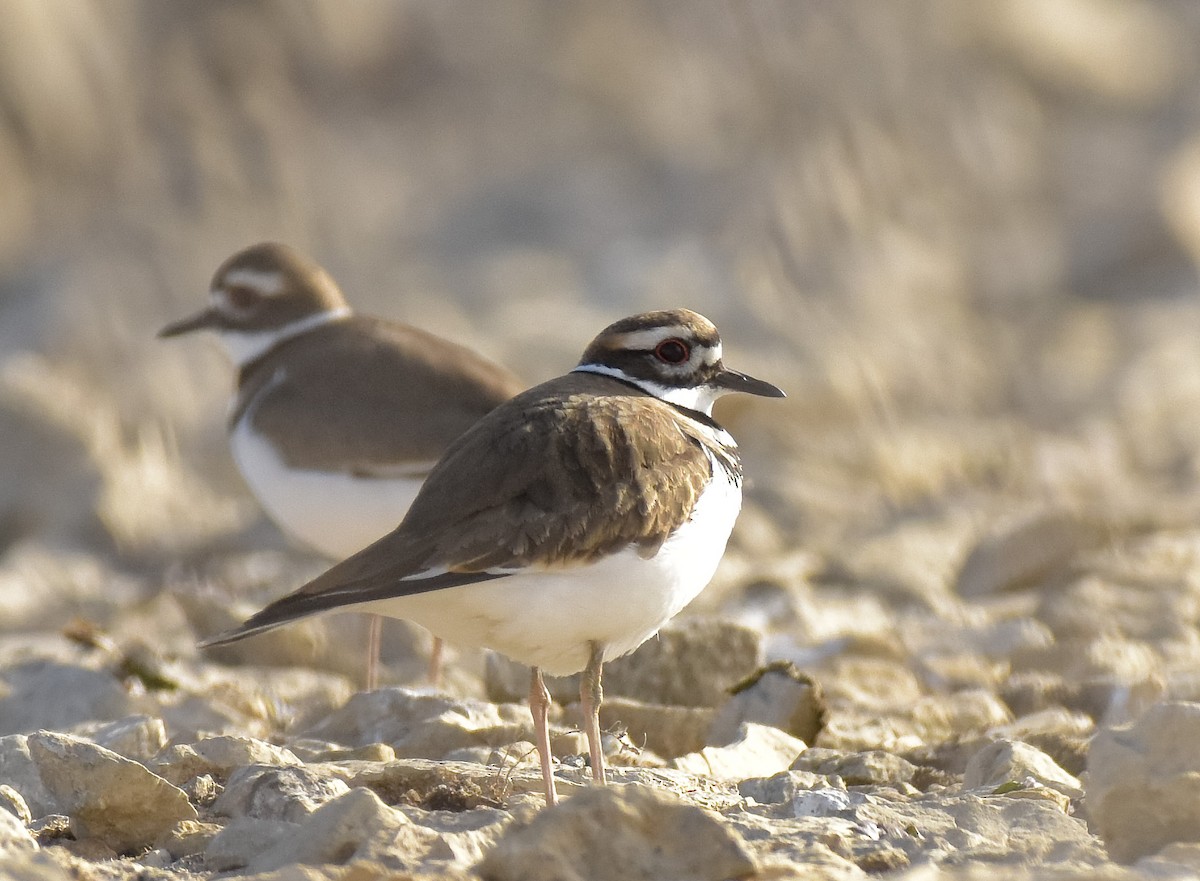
338 417
570 523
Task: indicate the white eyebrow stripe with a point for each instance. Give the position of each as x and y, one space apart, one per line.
267 283
648 339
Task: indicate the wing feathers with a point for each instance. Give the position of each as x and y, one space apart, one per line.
335 391
570 471
298 605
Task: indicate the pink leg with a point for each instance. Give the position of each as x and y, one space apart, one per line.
591 694
435 663
539 707
374 632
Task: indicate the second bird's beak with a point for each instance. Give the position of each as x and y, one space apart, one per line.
734 381
207 318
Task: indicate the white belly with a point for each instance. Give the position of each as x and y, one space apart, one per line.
334 514
549 619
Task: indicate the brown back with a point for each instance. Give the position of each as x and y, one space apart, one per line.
368 396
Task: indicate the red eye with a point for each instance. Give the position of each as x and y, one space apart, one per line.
241 297
672 351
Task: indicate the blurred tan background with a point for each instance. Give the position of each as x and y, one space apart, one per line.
961 234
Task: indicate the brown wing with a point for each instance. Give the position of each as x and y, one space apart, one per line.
571 477
348 385
571 470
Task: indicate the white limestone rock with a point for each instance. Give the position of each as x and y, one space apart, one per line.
666 730
465 837
940 718
758 751
54 696
421 725
1026 552
107 796
138 737
13 835
188 837
20 771
242 839
871 767
356 826
617 833
13 802
780 788
1143 784
289 794
882 830
778 695
1007 761
218 757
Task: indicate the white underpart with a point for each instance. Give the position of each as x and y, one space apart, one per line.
548 618
700 397
334 513
244 347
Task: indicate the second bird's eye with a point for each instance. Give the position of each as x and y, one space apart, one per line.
672 351
241 296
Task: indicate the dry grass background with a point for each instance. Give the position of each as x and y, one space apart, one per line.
961 234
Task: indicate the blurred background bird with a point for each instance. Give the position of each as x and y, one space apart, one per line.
337 417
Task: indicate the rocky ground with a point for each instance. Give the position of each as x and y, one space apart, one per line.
956 634
1031 716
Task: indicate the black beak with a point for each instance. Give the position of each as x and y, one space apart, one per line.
207 318
740 382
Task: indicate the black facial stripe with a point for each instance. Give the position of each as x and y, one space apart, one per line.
702 418
646 365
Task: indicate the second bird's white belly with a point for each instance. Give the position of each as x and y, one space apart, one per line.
549 618
336 514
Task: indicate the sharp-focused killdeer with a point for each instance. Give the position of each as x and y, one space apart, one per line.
568 525
338 417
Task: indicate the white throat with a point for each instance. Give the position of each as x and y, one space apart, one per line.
244 347
701 397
